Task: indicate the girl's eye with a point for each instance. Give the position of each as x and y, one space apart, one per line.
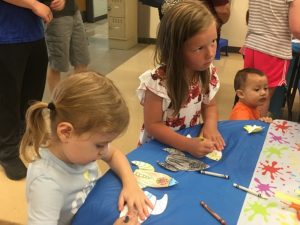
99 146
198 49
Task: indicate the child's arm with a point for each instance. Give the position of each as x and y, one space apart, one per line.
210 126
131 193
155 127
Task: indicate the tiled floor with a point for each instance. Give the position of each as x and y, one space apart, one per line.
123 67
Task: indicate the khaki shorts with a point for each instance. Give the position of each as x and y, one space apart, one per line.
66 42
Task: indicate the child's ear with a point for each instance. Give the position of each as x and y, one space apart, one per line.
64 131
240 93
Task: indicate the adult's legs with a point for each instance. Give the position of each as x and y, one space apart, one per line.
53 77
58 36
14 96
11 76
35 76
79 53
12 66
80 68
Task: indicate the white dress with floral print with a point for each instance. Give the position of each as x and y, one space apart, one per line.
189 114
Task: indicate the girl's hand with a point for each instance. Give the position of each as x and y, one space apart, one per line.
127 220
42 11
135 200
214 135
57 5
199 147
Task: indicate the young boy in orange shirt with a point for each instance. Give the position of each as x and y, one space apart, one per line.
251 87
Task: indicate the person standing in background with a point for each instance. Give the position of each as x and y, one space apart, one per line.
23 65
154 3
66 41
221 10
268 40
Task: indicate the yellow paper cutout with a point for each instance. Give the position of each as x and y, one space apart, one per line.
215 155
253 128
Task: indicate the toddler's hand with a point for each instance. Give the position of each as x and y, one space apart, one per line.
136 200
266 119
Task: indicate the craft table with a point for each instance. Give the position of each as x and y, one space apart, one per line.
266 162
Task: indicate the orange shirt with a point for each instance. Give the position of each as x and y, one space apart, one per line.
243 112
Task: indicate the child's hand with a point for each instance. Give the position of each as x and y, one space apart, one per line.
266 119
213 135
57 5
135 199
128 220
199 147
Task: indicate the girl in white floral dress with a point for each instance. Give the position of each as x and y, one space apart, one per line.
183 87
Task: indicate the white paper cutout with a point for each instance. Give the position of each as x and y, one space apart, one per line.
159 205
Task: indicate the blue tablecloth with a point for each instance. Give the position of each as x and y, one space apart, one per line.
239 160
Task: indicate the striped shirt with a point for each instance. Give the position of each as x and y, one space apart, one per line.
268 28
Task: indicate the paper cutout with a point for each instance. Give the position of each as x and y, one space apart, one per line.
159 205
214 155
147 177
177 161
253 128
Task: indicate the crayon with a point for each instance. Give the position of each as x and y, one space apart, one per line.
214 214
126 220
214 174
249 191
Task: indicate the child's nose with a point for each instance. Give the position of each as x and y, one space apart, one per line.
263 92
211 51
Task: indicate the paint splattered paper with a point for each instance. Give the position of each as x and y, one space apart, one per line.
277 170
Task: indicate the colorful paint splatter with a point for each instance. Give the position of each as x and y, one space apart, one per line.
277 170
